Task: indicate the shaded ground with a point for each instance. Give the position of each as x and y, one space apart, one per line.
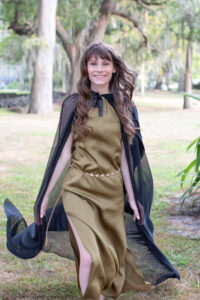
25 142
185 220
16 101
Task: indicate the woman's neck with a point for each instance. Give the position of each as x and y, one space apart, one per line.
100 90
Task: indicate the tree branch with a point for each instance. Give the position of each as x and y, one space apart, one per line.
147 5
135 24
62 34
151 3
98 27
26 29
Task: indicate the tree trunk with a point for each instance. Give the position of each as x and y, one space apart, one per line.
142 80
41 93
181 82
188 75
160 79
67 77
75 71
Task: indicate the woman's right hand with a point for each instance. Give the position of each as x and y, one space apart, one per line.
44 206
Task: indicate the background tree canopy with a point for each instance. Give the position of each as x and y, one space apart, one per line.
158 39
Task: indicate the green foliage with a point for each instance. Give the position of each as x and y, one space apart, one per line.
34 42
57 79
26 11
13 85
194 188
197 97
183 19
11 48
74 15
14 91
167 27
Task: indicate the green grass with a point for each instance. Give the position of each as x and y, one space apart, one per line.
25 143
14 91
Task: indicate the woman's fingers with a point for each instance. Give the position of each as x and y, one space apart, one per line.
136 214
42 212
44 206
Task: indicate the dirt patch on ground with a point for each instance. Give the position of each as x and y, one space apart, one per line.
185 220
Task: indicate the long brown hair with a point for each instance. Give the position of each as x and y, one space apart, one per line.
121 86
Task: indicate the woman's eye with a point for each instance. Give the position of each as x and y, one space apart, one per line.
105 64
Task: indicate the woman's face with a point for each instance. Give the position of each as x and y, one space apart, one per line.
100 71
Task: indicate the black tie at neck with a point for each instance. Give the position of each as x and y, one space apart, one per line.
97 101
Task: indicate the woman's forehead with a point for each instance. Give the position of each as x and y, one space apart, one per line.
98 57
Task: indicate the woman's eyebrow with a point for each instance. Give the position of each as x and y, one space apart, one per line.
93 59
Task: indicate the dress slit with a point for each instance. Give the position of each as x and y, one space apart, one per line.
92 285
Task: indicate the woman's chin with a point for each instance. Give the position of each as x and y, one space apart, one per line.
99 83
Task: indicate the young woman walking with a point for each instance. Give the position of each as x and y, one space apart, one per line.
93 196
97 187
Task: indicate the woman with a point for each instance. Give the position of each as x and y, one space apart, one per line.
99 154
95 160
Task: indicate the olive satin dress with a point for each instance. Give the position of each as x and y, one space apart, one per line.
93 198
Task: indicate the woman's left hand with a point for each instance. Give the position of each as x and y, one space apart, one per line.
135 210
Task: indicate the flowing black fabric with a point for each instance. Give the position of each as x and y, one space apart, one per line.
51 234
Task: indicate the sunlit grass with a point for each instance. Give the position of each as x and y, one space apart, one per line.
14 91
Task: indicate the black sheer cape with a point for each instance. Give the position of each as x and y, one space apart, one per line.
51 234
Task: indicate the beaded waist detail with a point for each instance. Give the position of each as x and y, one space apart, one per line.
98 175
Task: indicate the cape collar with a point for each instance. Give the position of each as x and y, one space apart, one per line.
96 100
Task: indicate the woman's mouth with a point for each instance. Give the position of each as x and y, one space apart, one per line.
100 76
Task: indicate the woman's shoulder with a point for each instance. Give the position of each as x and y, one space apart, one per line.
67 109
69 103
70 99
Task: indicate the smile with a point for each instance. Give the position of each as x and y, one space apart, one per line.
100 75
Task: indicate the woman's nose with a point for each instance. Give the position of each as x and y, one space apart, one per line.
99 67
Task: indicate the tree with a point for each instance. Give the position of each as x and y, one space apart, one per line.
184 22
79 23
41 92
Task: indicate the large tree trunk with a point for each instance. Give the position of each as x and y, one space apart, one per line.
41 94
188 75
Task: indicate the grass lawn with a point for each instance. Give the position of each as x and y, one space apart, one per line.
14 91
25 143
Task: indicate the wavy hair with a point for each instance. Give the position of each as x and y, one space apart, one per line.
121 86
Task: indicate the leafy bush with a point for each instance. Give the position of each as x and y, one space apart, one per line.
194 188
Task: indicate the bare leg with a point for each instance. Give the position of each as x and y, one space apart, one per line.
85 260
101 297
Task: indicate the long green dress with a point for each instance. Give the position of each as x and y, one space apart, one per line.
93 198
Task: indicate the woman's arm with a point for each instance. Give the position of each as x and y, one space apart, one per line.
64 157
128 184
61 163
